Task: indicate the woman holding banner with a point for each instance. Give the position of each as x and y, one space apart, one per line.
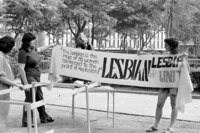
82 43
28 62
171 46
6 77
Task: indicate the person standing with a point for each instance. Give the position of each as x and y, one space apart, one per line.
171 46
28 62
6 77
83 43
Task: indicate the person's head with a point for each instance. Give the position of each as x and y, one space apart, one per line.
6 44
28 41
171 45
82 41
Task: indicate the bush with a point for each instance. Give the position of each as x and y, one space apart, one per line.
44 65
195 78
46 55
13 56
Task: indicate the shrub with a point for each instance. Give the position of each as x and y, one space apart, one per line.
44 65
46 55
13 56
195 78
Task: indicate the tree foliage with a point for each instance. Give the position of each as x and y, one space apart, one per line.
135 17
138 19
30 16
75 14
102 23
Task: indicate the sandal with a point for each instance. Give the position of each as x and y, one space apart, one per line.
169 130
152 129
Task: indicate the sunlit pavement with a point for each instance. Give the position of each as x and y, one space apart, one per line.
135 104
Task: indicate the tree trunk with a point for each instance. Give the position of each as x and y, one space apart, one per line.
170 21
125 37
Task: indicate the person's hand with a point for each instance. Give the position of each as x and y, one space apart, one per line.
27 87
184 54
21 87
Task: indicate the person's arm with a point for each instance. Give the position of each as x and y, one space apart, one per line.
43 48
6 81
185 55
22 73
9 82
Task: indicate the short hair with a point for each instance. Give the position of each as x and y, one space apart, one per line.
6 44
84 46
82 37
26 39
173 44
81 45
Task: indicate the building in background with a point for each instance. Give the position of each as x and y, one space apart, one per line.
113 42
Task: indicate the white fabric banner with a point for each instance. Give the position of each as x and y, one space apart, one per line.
125 69
162 71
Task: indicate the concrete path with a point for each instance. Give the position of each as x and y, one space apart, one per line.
133 104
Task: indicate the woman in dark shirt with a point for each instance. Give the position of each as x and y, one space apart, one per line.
28 62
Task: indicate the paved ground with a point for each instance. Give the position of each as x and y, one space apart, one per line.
134 114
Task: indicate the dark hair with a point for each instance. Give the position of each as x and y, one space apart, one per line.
86 46
89 46
80 45
26 39
6 44
173 44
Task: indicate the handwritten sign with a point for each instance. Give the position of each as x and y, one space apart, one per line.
113 68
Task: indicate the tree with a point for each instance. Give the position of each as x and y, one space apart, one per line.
102 23
196 32
75 15
135 18
182 20
29 16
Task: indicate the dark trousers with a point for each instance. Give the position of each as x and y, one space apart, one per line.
39 96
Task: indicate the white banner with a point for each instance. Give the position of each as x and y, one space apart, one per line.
124 69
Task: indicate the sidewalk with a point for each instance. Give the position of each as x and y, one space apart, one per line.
125 103
133 106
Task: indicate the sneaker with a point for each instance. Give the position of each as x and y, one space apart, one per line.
25 124
47 120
